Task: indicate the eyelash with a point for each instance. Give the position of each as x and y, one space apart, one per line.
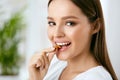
51 23
71 23
68 23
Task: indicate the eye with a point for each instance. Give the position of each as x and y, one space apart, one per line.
70 23
51 23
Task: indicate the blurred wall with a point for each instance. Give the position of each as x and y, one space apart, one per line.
113 33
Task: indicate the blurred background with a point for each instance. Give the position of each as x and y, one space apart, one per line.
23 26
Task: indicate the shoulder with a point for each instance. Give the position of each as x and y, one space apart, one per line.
97 73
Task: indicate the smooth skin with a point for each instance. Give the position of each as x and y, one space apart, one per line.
66 23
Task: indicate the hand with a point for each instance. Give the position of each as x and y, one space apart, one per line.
39 64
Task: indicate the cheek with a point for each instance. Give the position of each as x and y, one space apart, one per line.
49 33
81 36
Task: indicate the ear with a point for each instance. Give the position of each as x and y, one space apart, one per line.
96 26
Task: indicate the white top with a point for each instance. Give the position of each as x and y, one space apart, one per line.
96 73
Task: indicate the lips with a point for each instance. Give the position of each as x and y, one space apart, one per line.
64 45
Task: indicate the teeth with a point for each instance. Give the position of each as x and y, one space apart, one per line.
62 44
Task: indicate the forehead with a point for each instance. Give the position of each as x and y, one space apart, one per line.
63 8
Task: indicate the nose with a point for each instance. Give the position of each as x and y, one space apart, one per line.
59 32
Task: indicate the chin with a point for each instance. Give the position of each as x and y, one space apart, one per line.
61 57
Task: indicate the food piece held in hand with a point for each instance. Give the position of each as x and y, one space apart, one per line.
57 47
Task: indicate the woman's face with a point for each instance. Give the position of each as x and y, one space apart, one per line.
69 28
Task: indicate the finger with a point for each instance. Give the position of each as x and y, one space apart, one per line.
41 59
46 61
34 62
43 62
38 63
48 50
50 56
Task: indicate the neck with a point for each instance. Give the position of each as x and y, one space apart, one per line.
82 63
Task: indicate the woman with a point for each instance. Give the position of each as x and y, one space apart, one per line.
77 26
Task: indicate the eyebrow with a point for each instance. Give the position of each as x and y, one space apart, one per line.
65 17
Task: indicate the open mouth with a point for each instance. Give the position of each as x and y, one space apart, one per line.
63 45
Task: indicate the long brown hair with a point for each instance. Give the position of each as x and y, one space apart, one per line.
93 10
